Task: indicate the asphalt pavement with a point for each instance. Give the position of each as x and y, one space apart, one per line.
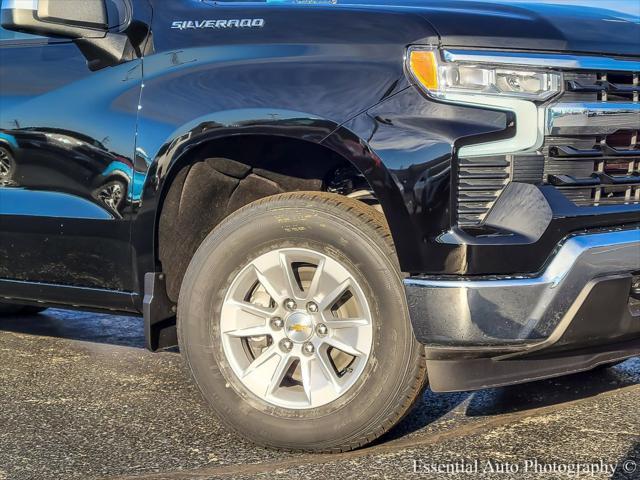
80 398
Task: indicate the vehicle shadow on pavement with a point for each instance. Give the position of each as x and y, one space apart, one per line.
517 398
428 409
84 326
553 391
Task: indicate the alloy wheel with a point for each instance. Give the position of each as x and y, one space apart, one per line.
6 168
296 328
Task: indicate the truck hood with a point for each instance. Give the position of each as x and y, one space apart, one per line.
610 27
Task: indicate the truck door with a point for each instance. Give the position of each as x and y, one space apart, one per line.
67 144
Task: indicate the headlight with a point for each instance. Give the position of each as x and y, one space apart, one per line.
441 78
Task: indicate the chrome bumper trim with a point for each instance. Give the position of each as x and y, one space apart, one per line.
520 309
596 118
545 60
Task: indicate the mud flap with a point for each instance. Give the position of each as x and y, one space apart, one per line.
159 314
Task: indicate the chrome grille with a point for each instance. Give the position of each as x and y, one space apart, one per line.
591 172
605 86
593 169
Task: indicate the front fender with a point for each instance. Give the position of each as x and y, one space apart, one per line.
386 186
411 144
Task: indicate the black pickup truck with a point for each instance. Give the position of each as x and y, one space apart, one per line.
322 201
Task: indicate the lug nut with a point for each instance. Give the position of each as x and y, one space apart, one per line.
308 349
312 307
322 330
286 345
277 323
290 304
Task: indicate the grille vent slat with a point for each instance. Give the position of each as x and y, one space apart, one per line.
613 177
605 86
480 182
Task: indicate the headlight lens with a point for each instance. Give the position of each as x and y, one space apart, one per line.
441 78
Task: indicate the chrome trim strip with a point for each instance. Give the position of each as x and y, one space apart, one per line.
595 118
616 251
526 308
545 60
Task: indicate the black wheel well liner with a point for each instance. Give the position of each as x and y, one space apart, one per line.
220 176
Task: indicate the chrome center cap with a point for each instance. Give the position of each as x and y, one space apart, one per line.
299 327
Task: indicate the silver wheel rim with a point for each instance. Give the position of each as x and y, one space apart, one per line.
112 195
296 328
5 164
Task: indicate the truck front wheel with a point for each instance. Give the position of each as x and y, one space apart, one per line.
293 321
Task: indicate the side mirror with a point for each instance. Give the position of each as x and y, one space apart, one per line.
56 18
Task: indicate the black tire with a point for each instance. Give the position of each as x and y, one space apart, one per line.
9 309
359 238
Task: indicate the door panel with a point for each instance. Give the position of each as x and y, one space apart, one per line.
68 137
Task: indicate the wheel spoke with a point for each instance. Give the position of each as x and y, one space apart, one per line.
319 380
290 278
347 323
279 373
252 309
334 295
307 383
342 346
268 286
261 360
257 331
317 279
328 370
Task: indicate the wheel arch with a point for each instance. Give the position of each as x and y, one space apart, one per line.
312 146
8 142
304 148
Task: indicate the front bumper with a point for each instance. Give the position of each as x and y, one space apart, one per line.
495 331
